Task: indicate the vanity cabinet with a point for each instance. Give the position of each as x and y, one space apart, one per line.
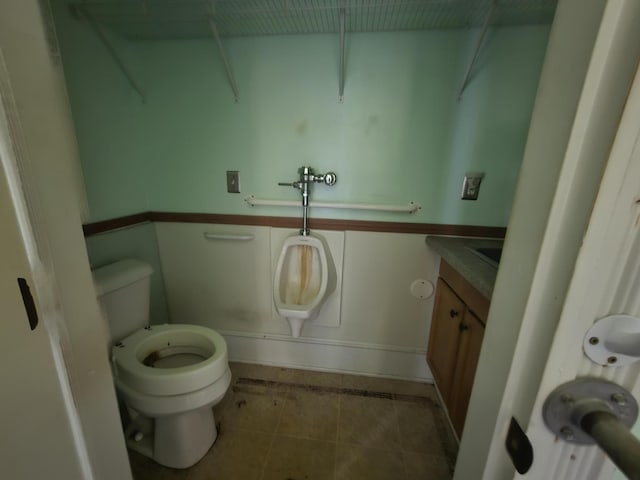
455 339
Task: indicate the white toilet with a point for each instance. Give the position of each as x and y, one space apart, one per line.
305 276
169 376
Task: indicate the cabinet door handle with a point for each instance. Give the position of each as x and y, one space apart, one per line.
453 313
462 327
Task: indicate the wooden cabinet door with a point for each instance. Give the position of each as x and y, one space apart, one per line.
444 336
471 335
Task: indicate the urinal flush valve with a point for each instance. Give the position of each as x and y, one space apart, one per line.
306 178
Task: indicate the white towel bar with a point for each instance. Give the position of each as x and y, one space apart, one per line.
412 207
222 236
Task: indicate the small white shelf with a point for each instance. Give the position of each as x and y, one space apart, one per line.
166 19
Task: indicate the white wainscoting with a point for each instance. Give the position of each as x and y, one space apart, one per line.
380 327
329 355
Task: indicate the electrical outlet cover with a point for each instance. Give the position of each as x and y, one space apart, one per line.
233 181
471 185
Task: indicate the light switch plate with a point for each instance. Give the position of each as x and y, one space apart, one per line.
233 181
471 185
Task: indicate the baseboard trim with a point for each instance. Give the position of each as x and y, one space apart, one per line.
325 355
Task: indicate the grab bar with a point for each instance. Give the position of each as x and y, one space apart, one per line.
222 236
412 207
612 436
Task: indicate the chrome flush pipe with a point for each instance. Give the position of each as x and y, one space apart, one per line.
305 174
306 178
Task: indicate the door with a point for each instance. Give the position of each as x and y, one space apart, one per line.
471 336
605 281
38 435
444 338
544 242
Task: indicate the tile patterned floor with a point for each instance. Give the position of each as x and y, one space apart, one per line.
285 424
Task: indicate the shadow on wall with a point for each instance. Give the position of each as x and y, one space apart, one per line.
490 124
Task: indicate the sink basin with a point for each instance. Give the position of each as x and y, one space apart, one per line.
490 255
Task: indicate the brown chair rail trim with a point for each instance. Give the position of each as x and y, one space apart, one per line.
114 223
294 222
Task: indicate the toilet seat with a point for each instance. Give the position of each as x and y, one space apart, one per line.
129 355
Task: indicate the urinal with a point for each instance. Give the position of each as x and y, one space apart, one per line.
305 276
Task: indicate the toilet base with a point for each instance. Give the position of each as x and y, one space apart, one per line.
176 441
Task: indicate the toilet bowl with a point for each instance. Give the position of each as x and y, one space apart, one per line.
165 369
169 376
173 374
304 277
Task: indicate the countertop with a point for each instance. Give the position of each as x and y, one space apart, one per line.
456 252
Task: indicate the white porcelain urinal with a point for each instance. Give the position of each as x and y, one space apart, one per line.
305 276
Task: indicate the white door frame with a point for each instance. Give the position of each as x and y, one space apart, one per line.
48 167
35 358
611 66
606 281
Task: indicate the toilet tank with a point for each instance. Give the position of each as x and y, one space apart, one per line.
123 290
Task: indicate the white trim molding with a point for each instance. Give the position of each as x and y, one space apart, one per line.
338 356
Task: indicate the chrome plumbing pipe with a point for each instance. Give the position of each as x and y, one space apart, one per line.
305 174
306 177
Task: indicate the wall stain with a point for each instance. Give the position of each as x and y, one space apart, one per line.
301 127
372 122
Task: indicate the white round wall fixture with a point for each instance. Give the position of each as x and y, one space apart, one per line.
422 289
613 341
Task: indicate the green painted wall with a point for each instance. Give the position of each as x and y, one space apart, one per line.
108 119
400 135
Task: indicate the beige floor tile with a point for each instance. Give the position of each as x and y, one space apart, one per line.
236 455
418 430
277 432
218 408
255 371
310 415
253 407
369 422
311 378
358 382
144 468
295 458
136 460
420 466
238 369
389 385
418 389
449 442
356 463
